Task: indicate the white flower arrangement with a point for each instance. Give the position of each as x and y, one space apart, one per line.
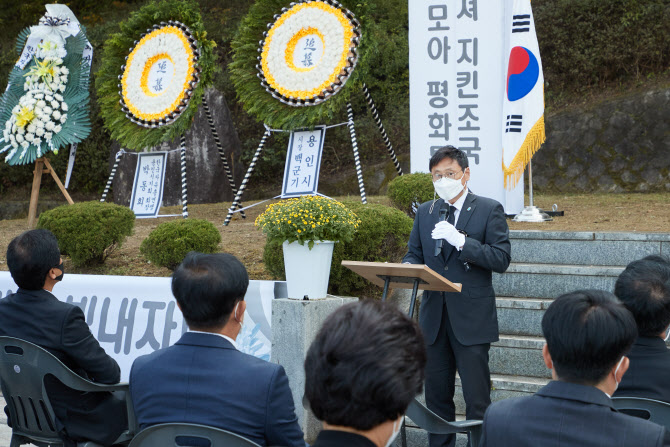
317 21
39 115
157 74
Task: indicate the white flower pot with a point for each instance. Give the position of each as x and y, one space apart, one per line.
307 271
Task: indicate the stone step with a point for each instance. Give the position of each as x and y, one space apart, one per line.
521 316
585 248
553 280
518 355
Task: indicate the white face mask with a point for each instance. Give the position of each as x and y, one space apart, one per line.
396 431
616 371
235 315
667 334
448 188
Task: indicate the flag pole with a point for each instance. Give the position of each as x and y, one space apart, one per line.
531 213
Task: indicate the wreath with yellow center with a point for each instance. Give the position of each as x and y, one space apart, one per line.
160 75
309 52
154 73
298 64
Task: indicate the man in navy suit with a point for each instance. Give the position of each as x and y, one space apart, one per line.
203 378
465 238
588 333
644 288
34 314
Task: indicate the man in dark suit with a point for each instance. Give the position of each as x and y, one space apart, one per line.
588 333
35 315
203 378
644 288
465 238
362 371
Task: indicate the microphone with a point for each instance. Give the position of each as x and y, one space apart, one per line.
440 242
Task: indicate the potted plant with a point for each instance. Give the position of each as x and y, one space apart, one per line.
308 227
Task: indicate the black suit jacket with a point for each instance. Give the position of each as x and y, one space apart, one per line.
472 312
203 379
336 438
40 318
648 373
565 414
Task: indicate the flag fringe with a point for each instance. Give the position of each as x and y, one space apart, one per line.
534 139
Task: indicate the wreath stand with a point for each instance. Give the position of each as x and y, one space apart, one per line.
40 169
237 203
182 150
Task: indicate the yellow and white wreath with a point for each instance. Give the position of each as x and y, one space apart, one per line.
160 75
309 52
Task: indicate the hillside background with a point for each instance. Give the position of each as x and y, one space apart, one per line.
606 66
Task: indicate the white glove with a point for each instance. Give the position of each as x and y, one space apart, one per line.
445 230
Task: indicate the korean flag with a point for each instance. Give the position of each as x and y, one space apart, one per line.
523 104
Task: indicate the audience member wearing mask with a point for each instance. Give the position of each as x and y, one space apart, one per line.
203 378
34 314
362 370
464 237
588 333
644 288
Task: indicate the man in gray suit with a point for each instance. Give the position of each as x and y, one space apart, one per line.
588 333
465 238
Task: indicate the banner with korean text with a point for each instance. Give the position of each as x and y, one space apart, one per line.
131 316
458 66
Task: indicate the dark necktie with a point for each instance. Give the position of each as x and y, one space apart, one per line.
452 214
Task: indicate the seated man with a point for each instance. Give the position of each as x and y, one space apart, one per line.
644 288
362 371
35 315
203 378
588 333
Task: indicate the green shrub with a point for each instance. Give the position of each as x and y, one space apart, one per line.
88 231
408 190
168 244
381 237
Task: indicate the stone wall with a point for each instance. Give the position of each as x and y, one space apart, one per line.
619 145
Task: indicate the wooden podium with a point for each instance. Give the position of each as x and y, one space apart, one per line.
403 276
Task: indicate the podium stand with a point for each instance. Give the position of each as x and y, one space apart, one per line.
402 276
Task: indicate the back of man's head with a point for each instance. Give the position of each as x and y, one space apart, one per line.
587 333
207 287
365 366
644 288
30 256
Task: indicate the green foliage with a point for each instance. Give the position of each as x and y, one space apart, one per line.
409 190
128 134
169 243
308 219
381 237
384 29
88 231
585 43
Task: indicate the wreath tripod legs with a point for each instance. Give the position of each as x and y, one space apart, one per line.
252 165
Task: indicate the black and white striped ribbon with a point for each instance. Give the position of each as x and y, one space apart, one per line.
238 196
184 192
219 147
382 131
112 174
357 159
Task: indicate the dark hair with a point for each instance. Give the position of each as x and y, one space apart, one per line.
644 288
449 152
365 365
30 256
587 332
207 287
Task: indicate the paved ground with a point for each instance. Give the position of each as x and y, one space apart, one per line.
5 432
